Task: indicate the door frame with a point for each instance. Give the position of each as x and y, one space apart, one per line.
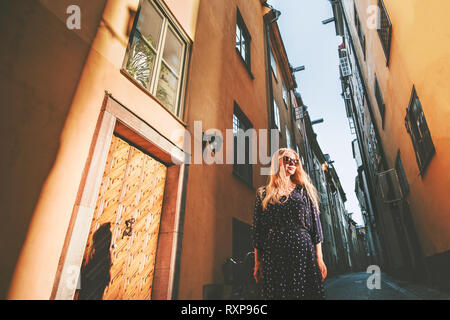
116 118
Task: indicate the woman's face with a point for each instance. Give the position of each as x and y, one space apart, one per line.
290 162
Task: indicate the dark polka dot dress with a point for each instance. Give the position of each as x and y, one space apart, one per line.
285 235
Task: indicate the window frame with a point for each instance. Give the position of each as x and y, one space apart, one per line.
360 31
273 63
288 137
276 115
380 100
240 24
383 18
247 176
401 175
423 157
168 22
285 93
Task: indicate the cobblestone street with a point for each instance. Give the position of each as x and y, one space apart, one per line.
353 286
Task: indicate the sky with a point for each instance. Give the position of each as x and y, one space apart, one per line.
310 43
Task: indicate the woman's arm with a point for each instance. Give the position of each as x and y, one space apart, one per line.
257 270
319 259
319 255
257 234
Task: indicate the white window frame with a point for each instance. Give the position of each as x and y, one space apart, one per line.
273 64
288 137
276 114
285 95
168 22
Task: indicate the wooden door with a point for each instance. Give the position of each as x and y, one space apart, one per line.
119 259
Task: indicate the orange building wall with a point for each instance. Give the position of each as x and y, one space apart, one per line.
64 81
217 78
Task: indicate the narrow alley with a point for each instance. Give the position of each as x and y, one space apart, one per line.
353 286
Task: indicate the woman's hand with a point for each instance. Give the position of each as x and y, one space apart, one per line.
257 272
322 268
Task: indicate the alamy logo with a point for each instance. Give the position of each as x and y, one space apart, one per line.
374 280
73 278
236 146
74 20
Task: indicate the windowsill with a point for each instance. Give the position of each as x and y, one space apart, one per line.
137 84
246 66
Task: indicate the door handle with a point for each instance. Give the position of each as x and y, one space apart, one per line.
129 227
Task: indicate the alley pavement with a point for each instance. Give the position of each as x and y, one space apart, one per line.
353 286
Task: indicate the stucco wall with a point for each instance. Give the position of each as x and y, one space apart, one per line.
217 79
58 78
419 56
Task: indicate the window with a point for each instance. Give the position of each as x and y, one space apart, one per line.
276 115
241 239
273 63
242 145
417 127
288 137
374 149
360 95
404 185
345 66
380 101
285 95
384 29
242 40
156 56
359 30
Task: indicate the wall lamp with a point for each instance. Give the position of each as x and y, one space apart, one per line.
213 141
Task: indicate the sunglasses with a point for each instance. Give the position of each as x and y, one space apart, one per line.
288 160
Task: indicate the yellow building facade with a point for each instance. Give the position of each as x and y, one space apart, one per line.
79 116
403 56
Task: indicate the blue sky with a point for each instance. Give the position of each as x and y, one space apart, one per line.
308 42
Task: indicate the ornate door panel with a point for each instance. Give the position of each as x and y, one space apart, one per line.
120 253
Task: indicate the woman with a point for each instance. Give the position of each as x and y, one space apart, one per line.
287 233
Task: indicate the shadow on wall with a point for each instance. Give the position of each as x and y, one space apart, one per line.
39 73
95 275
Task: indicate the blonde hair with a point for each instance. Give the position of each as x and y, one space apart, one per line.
277 179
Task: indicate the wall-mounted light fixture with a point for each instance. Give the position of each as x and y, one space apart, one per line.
213 141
